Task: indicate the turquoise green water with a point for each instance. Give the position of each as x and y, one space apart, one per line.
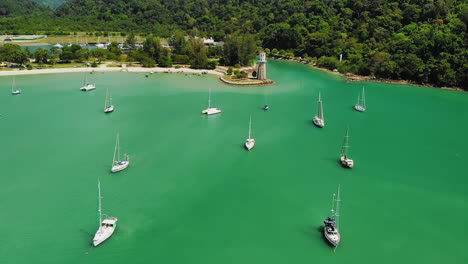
192 194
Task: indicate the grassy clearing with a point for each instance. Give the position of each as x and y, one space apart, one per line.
80 38
233 79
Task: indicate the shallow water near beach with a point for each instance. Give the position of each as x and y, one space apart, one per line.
193 194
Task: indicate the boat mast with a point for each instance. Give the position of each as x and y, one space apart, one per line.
250 127
105 102
344 148
337 212
118 147
363 98
359 99
320 107
99 209
333 205
209 98
13 85
115 149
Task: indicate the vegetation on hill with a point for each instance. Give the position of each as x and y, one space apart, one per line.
17 8
424 41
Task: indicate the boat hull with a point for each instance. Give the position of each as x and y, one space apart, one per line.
359 108
88 87
318 122
211 111
332 237
249 144
16 92
347 163
105 231
121 166
109 109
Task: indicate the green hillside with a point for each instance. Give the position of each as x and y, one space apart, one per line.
17 8
420 40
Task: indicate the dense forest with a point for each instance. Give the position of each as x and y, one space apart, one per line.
420 40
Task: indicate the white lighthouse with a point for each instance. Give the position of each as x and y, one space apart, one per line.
261 71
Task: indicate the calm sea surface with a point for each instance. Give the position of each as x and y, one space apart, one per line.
192 194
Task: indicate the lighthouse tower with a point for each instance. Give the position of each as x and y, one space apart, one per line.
261 71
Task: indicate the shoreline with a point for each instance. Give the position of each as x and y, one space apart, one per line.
351 77
109 69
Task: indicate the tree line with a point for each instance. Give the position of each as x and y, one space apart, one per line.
240 50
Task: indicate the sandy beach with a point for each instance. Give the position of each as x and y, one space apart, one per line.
108 69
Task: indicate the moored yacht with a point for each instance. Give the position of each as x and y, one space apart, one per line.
108 106
361 102
14 90
210 110
250 142
344 160
331 230
87 86
117 163
318 119
106 226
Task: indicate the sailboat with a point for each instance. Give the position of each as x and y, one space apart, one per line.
210 110
117 163
250 142
331 229
99 45
344 160
87 86
361 102
106 226
14 91
108 106
318 119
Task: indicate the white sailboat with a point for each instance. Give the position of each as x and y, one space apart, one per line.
361 102
210 110
14 90
108 106
318 119
117 163
331 229
250 142
106 226
87 86
99 44
344 160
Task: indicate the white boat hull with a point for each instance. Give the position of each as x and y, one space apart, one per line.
88 87
359 108
211 111
105 231
15 92
120 166
332 236
347 163
109 109
318 121
250 143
